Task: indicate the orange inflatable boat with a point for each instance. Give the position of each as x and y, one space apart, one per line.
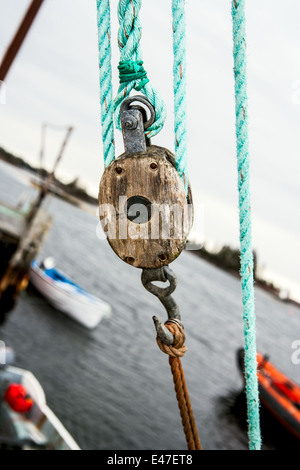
277 393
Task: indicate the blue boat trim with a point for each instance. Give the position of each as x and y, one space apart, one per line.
57 276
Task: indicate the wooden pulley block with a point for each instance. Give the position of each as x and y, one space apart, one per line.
143 207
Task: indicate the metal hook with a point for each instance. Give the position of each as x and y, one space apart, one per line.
163 274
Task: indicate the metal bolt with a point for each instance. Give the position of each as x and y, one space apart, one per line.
131 123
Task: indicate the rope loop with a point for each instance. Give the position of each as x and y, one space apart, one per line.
131 71
177 349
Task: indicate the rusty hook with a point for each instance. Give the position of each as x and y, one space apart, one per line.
163 274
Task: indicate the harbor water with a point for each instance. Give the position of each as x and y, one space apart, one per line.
112 387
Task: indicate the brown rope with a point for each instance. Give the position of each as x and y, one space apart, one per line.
176 351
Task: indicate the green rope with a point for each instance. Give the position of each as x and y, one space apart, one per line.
133 76
131 70
179 89
105 77
241 110
132 73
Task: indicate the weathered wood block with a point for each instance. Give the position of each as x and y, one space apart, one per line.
143 208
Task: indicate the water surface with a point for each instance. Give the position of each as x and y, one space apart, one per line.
112 387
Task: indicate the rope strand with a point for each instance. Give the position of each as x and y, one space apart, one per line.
133 76
184 404
179 86
241 110
176 351
105 76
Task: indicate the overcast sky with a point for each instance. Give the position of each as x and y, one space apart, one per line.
55 79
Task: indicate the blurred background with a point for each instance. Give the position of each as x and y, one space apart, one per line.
55 79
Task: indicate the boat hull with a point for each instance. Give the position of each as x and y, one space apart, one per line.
84 309
277 393
37 428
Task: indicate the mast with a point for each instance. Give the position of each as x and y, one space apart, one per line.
45 187
19 37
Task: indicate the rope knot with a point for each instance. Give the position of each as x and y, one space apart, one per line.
132 70
177 349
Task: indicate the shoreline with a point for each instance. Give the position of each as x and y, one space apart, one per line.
282 294
32 177
68 191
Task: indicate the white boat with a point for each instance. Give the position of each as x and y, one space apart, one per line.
26 421
66 296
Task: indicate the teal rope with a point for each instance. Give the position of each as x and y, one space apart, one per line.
241 111
105 75
132 74
179 85
131 70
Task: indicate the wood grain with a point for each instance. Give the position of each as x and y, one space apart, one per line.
150 175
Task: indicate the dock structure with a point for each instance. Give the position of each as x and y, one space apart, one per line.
21 236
